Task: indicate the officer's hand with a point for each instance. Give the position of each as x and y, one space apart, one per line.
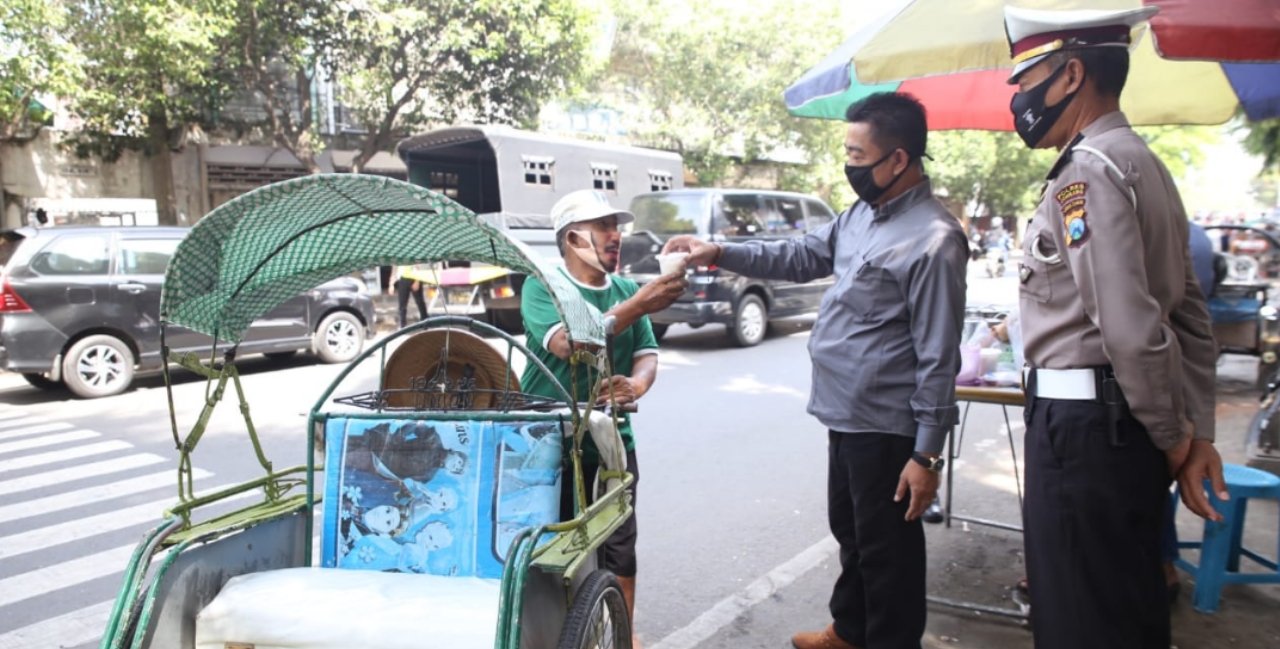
415 286
660 293
1177 456
618 388
1203 463
923 484
701 253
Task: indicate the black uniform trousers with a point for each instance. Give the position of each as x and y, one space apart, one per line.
1095 504
879 599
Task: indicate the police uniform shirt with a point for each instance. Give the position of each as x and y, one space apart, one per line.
1105 283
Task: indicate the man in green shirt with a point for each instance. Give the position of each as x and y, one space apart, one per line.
588 238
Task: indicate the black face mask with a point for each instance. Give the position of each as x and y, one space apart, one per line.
1031 118
864 184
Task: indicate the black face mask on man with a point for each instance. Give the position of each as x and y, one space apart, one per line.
863 181
1031 118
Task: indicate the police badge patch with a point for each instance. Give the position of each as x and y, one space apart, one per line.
1071 202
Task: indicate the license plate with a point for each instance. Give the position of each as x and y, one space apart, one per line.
459 297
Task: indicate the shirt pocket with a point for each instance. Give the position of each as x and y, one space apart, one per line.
1034 269
871 292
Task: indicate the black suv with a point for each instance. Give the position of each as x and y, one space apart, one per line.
81 305
744 304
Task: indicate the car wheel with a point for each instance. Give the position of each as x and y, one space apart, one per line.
339 338
750 321
279 356
42 382
98 366
659 330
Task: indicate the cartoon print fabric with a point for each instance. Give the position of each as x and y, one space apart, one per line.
436 497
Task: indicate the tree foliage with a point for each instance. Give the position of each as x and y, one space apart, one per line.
986 173
147 65
36 61
276 51
1263 138
408 65
706 79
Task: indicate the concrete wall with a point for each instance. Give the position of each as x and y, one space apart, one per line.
41 168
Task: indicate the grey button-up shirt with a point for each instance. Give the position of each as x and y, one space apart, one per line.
886 345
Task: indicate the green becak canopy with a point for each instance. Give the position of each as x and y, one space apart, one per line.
271 244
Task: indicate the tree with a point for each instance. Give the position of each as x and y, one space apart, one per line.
988 173
1181 148
706 79
1263 138
410 64
146 79
275 50
36 61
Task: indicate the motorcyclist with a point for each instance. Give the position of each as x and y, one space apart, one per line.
997 247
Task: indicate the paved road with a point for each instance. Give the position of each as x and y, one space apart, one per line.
733 476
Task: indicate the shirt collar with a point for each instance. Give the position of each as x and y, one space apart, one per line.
904 201
608 280
1112 120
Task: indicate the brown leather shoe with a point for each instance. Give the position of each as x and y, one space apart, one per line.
824 639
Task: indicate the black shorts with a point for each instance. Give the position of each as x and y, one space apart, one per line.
618 554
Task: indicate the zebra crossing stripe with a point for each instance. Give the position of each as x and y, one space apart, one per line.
46 440
34 430
63 574
10 413
71 629
80 528
90 495
20 421
41 459
91 470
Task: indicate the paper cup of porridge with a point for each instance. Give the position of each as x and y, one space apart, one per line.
672 262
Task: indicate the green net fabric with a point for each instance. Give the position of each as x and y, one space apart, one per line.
262 248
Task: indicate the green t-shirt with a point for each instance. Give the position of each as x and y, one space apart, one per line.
541 321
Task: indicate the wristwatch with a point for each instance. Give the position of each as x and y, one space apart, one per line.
934 464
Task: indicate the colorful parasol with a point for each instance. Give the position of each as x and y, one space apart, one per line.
1202 62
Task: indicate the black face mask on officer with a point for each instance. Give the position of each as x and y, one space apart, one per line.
863 181
1031 118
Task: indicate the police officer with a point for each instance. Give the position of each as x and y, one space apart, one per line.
1120 390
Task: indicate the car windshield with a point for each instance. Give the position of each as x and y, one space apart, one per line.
669 213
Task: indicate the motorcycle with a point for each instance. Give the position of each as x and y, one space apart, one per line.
994 261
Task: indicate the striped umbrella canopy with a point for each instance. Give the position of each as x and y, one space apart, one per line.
1201 63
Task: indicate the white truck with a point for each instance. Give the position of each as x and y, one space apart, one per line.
513 178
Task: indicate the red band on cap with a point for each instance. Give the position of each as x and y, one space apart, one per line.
1074 37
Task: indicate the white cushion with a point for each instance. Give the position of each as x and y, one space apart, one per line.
317 608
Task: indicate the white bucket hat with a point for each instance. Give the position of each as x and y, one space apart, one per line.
585 205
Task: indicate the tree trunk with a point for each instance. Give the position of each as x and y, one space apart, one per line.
161 160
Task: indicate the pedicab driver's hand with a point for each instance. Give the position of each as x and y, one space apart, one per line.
618 389
660 293
923 485
1201 463
701 253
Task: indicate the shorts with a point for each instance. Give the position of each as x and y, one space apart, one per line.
618 553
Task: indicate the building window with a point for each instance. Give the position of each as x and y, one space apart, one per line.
444 182
538 171
604 177
659 181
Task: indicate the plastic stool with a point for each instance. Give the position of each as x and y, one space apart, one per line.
1221 548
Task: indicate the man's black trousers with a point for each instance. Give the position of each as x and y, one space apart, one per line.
1095 505
404 289
879 600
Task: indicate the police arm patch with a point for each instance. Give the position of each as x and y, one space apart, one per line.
1071 201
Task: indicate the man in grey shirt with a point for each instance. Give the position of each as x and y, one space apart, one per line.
885 352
